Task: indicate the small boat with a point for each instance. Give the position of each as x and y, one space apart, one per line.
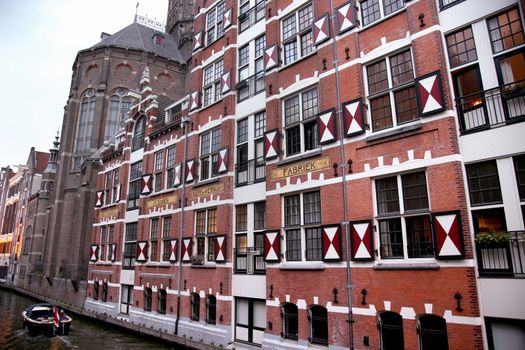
46 319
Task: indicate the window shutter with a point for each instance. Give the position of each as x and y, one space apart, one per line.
271 144
190 168
146 184
220 249
113 252
321 29
448 235
225 82
142 251
99 199
353 118
429 92
117 195
346 17
271 59
197 40
176 180
194 100
94 253
272 246
227 18
326 126
362 240
332 245
173 250
223 160
186 249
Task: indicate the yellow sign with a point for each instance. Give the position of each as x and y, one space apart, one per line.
206 191
160 202
108 213
301 168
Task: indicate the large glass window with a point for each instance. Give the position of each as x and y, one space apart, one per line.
205 231
461 47
374 10
170 167
130 245
138 134
297 34
211 85
85 122
126 298
119 105
300 122
135 179
214 23
505 30
210 144
154 236
483 181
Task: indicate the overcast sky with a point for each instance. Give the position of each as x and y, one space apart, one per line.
39 40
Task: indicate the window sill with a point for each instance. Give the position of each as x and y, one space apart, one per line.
298 60
394 132
206 182
158 264
107 206
384 19
103 263
301 265
208 106
206 265
406 266
299 157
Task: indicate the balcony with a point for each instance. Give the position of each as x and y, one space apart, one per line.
494 107
503 259
250 86
250 172
249 261
251 16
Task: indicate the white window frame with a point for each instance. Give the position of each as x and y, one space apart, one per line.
297 36
157 170
217 23
382 14
213 84
165 236
211 153
206 235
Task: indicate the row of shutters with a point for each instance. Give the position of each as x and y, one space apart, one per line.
448 240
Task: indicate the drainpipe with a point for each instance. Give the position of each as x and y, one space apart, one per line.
343 180
185 121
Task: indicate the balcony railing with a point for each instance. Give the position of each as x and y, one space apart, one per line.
252 16
250 172
249 261
503 260
493 107
250 86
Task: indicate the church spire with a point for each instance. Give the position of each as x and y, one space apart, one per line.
53 157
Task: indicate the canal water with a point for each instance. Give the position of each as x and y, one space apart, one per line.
84 334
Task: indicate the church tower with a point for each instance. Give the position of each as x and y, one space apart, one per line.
180 24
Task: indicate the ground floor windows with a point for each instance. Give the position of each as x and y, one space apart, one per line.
390 326
95 290
211 311
318 317
432 332
104 291
195 300
161 307
250 320
126 298
147 299
289 320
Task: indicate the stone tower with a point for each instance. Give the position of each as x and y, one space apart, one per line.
179 24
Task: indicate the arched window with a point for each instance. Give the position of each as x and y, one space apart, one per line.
161 307
104 291
318 317
211 310
85 122
119 105
95 290
390 326
138 134
432 331
289 321
147 299
195 304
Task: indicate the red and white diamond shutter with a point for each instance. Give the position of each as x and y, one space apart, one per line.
430 94
332 243
176 180
113 248
321 30
190 168
147 181
353 118
225 82
93 253
197 40
448 235
220 249
194 101
227 18
326 126
362 240
99 199
173 250
142 251
222 165
272 246
271 59
186 249
346 17
271 144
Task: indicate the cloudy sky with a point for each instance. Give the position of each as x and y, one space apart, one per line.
39 40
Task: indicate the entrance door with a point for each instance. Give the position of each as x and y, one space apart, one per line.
250 320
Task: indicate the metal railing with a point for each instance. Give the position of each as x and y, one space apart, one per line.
249 261
252 16
250 172
250 86
493 107
504 259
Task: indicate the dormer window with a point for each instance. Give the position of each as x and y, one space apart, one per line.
158 39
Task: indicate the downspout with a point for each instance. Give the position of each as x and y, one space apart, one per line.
185 121
339 112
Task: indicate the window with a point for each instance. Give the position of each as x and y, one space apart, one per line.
519 167
403 230
432 331
289 321
104 291
214 23
251 72
195 306
130 245
483 182
126 298
138 135
212 82
154 235
119 105
166 244
27 239
211 303
147 299
116 185
95 290
391 91
107 188
254 170
301 212
259 221
161 307
300 112
461 47
85 122
244 60
158 171
318 325
297 34
135 179
241 218
249 16
210 144
390 326
448 3
111 232
102 243
373 10
205 231
510 70
170 167
505 30
489 220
